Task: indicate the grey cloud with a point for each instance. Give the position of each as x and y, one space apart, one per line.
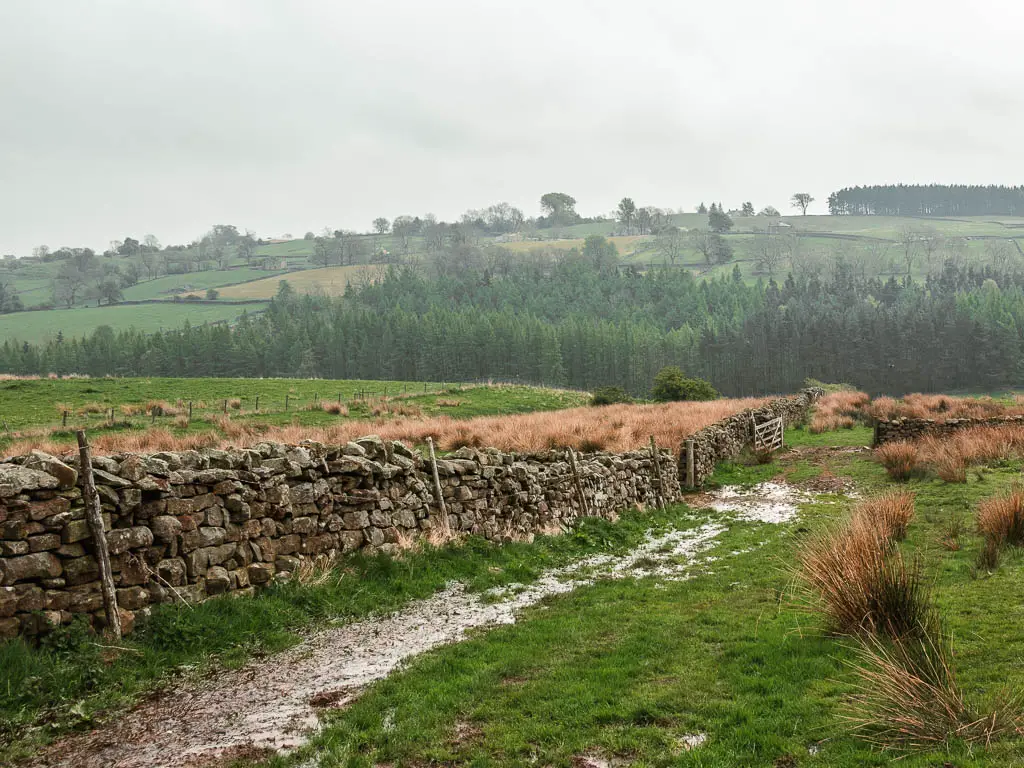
134 116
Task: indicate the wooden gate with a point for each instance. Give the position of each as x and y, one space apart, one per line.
769 435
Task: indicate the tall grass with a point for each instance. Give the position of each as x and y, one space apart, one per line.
838 410
900 459
907 696
940 408
860 581
1001 518
949 456
621 427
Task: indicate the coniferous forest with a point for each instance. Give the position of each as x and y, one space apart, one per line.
585 321
928 200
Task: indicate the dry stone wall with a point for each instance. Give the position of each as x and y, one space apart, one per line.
913 429
726 439
184 526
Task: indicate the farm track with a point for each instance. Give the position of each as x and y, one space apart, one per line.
271 705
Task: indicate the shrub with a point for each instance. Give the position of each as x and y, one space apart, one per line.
670 385
900 459
212 294
610 396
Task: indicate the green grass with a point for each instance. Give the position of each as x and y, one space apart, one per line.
67 683
38 326
625 669
34 402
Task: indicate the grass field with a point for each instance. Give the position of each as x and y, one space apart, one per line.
331 281
38 326
622 672
171 285
32 409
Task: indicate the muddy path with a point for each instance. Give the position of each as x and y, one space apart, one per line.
271 705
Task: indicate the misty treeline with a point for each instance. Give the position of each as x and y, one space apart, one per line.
928 200
586 321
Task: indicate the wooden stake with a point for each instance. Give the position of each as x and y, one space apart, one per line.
657 471
578 483
437 486
257 402
64 423
190 411
691 479
286 401
95 518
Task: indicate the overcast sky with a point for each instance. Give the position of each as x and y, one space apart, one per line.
127 117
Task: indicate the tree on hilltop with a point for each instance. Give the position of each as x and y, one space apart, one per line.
801 200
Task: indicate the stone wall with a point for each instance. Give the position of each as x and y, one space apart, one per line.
726 439
183 526
913 429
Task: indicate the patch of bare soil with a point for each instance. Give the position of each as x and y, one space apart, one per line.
271 704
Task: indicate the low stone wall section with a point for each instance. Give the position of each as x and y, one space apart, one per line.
914 429
728 438
183 526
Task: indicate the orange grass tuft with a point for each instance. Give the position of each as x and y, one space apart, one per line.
900 459
1001 518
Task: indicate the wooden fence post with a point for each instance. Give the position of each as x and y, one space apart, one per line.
691 479
64 423
445 525
657 470
286 401
257 402
95 518
578 483
190 411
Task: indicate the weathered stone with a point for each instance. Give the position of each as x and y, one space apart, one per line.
51 465
217 580
40 565
76 530
15 479
13 548
8 602
356 520
261 573
41 510
121 540
172 571
133 468
165 528
132 598
44 542
81 570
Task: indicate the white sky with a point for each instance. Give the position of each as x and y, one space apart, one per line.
127 117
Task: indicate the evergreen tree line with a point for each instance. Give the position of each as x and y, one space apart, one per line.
586 324
928 200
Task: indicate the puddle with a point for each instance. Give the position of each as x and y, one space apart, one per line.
764 502
273 704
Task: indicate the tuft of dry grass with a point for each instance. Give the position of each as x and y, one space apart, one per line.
858 579
235 404
317 570
838 410
1001 518
889 513
332 407
899 458
442 402
908 697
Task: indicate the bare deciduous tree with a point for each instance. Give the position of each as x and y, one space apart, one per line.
801 200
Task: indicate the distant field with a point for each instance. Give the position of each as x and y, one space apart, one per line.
625 244
330 280
39 326
170 285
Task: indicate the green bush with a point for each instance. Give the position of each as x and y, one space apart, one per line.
670 384
609 396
